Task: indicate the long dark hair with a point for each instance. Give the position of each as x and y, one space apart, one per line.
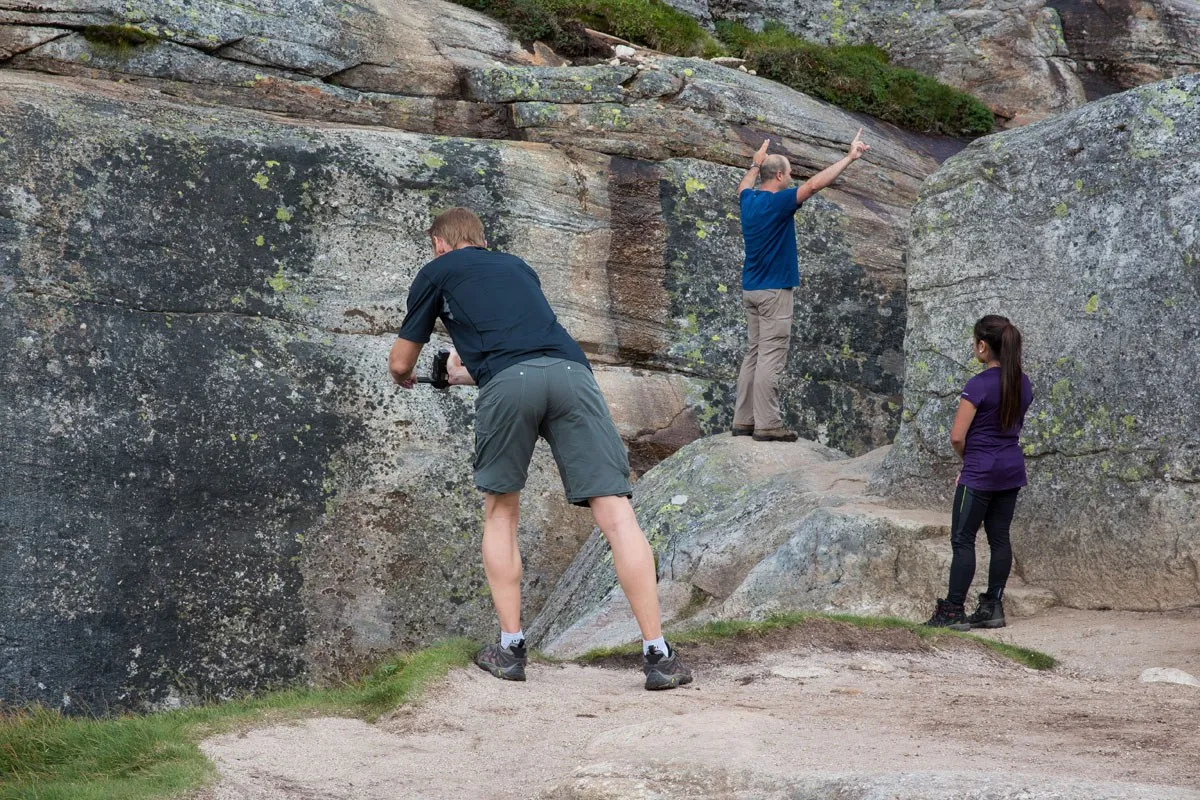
1005 340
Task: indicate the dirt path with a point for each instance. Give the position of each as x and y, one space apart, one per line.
823 712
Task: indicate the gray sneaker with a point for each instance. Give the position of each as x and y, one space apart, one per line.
664 672
506 663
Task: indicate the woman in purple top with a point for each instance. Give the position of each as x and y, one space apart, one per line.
986 433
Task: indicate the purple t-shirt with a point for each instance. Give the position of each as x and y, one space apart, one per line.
993 461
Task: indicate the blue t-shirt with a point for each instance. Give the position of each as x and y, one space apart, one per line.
769 234
492 305
993 461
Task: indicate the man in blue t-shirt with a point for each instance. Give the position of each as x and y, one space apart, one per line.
770 273
533 380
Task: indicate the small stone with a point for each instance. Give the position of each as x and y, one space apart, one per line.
679 499
1168 675
799 672
624 51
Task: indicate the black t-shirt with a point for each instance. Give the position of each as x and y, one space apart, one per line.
492 305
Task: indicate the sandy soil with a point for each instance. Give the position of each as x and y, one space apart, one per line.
823 702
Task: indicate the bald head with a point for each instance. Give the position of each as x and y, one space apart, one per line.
776 167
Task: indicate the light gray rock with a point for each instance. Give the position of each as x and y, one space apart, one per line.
1168 675
764 529
1096 261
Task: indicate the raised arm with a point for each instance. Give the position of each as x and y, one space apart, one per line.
830 174
752 173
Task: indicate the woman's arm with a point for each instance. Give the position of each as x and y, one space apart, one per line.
962 423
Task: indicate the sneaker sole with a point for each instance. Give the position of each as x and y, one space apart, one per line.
656 681
961 626
774 439
991 623
511 674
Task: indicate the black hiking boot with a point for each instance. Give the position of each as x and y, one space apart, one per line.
949 616
664 672
743 430
506 663
989 613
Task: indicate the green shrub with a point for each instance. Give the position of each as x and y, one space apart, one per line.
859 78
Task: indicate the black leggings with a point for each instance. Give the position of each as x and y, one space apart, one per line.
995 511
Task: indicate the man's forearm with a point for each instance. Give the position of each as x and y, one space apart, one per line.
826 176
749 180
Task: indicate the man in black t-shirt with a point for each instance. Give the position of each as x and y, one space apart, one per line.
533 380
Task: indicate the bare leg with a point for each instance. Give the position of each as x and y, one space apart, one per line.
633 559
501 558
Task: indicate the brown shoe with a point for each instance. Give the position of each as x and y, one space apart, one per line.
775 435
743 430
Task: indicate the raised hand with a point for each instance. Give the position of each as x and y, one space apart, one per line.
761 155
858 146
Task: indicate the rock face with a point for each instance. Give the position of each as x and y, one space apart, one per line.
1122 45
209 485
743 529
1098 262
1025 60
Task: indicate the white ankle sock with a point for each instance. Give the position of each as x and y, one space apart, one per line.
509 639
660 643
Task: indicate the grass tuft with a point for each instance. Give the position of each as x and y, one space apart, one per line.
46 756
721 630
859 78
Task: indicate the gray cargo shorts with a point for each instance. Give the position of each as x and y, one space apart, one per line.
559 401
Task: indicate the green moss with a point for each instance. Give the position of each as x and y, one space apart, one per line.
1093 304
691 185
120 40
858 78
278 281
283 215
1061 210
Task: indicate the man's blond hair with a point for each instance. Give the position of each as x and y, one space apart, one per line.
773 165
458 226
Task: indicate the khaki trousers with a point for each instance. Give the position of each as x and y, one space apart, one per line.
769 319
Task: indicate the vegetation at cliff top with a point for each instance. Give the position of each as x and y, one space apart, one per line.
859 78
854 77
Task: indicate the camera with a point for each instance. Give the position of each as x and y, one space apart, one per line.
439 377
